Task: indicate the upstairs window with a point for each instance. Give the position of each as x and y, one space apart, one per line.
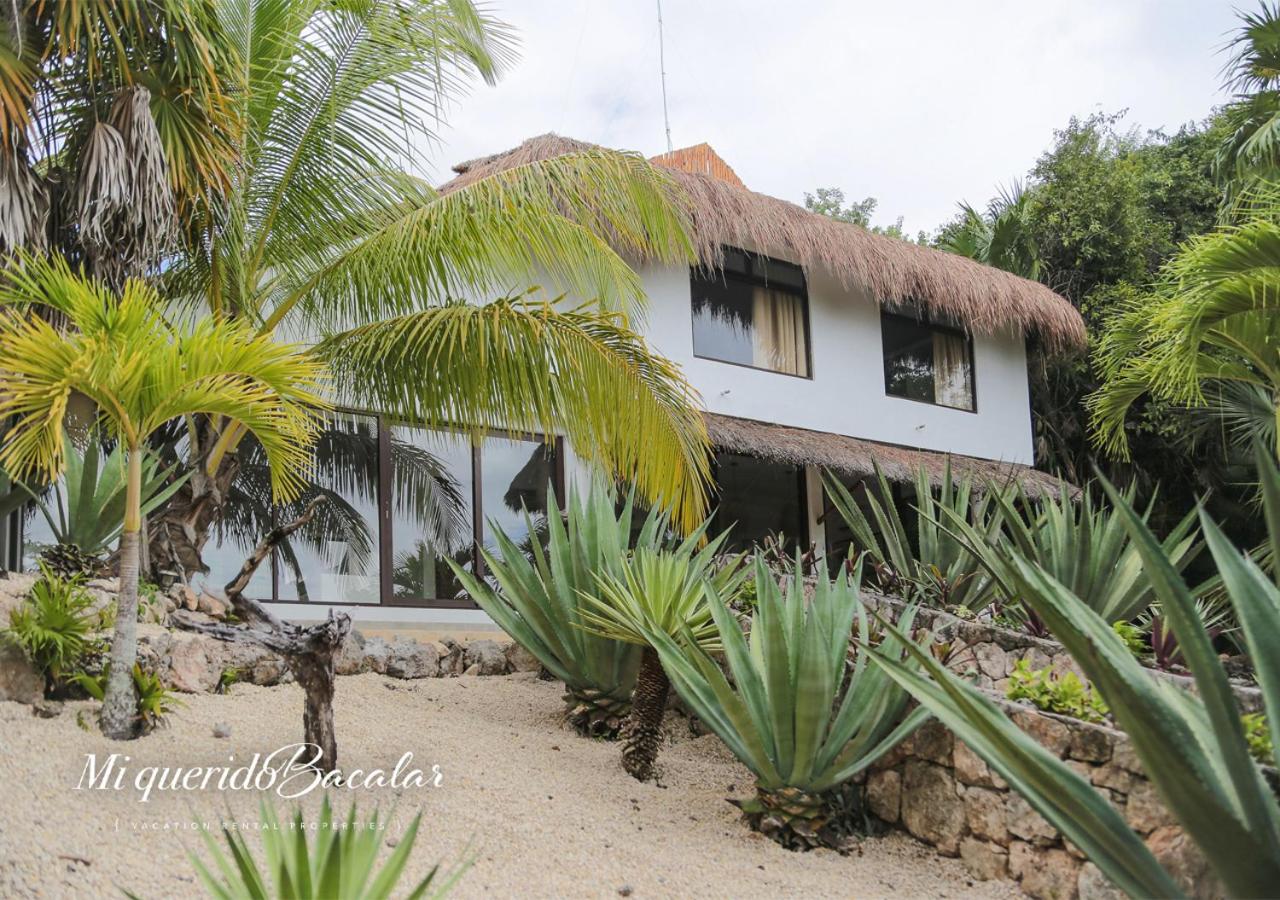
927 362
753 312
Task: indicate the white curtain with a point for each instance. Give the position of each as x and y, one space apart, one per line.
779 339
952 373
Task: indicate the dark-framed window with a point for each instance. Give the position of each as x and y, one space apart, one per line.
759 498
752 312
399 500
927 362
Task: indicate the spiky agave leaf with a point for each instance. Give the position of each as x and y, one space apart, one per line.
538 598
786 708
1191 747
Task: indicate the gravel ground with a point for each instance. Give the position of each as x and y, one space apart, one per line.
544 812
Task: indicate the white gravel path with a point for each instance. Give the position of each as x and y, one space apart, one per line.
547 813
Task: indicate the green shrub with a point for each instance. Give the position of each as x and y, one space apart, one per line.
226 678
155 701
1258 733
792 711
1133 636
52 625
85 509
1065 694
342 861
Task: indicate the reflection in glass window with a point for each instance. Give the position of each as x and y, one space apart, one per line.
335 558
515 476
758 498
926 362
431 512
754 313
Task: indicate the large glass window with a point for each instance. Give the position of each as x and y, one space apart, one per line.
431 513
754 313
335 558
399 501
925 362
759 499
515 476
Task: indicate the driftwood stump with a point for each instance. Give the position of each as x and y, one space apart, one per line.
310 651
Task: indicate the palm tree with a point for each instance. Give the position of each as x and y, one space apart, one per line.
327 234
1251 152
1211 323
1001 237
112 120
140 373
659 591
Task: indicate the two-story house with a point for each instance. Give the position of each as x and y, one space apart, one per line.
813 343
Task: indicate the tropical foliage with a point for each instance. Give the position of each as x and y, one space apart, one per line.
52 625
937 564
342 860
1061 693
116 128
85 507
327 233
1000 237
140 372
539 598
788 708
1079 541
1192 747
659 590
1213 322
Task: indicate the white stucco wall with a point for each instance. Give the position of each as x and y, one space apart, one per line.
846 394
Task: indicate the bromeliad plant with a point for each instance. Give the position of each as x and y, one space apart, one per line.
539 600
1193 747
1083 544
937 566
659 591
792 710
341 862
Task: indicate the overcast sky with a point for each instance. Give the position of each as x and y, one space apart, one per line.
919 103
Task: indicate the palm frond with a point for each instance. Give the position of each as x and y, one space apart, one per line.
529 366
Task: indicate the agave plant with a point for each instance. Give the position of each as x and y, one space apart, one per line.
659 591
1192 747
85 508
790 711
1083 544
539 600
342 861
937 565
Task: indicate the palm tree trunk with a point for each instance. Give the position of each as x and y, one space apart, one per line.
120 701
180 529
643 732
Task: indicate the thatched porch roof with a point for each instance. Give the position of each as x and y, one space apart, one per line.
899 274
854 456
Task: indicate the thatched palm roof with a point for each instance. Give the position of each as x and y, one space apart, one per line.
901 275
857 456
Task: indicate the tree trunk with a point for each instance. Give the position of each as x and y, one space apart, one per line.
643 731
315 673
119 718
179 530
309 650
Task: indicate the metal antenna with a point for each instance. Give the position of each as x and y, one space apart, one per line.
662 65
